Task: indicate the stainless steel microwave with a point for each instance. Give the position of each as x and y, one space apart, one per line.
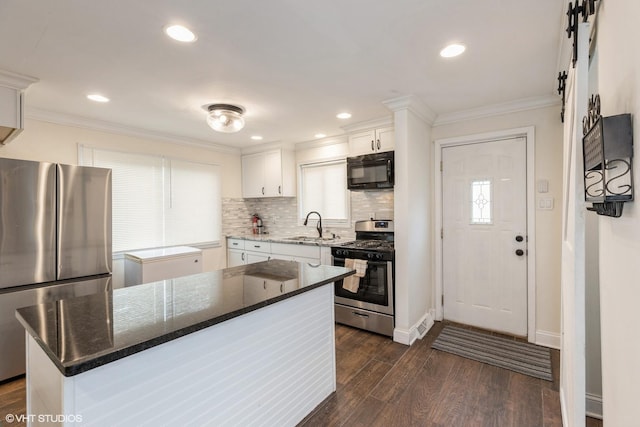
370 171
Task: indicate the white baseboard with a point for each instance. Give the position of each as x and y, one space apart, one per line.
594 406
548 339
408 336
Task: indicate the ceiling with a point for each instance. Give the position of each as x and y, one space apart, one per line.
293 65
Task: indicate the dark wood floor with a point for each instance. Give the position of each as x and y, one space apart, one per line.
13 402
383 383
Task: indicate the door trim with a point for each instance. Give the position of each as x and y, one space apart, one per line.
529 134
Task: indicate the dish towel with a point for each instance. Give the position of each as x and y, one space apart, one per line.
352 283
360 265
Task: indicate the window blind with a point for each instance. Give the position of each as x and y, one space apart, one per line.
159 201
323 189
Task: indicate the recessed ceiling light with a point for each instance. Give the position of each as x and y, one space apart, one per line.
97 97
344 116
256 138
180 33
452 50
320 135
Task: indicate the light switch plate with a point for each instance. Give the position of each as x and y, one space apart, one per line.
545 203
543 186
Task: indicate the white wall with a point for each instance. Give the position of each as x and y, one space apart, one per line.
548 165
43 141
619 87
413 223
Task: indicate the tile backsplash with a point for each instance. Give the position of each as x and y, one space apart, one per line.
280 215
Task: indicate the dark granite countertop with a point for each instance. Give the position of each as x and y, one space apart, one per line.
82 333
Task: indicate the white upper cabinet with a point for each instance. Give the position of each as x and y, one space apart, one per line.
372 141
269 174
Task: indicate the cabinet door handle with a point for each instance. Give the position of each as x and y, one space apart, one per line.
243 256
263 191
281 285
235 244
372 147
279 189
378 144
256 246
264 284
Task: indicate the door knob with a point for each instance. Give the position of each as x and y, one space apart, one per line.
519 252
519 238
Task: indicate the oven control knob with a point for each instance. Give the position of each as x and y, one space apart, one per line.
370 256
378 256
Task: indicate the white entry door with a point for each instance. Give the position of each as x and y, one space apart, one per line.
484 242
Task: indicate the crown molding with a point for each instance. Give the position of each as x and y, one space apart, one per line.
323 142
413 104
498 109
369 124
16 81
258 148
110 127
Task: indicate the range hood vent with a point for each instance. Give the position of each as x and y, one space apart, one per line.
12 87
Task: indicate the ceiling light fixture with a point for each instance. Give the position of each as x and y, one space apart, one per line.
180 33
344 116
225 118
452 50
97 97
320 135
256 138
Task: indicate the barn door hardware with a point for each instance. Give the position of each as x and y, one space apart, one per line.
586 9
562 86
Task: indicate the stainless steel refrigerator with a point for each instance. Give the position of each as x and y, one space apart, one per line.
55 242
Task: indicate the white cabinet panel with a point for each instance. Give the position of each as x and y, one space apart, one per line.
273 174
269 174
385 139
253 257
253 169
372 141
236 257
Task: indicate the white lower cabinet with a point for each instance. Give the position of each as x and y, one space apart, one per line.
253 257
257 289
236 257
242 252
296 252
235 252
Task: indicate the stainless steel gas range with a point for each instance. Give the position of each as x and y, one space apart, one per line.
368 303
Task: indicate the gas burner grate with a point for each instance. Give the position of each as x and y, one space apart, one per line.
369 244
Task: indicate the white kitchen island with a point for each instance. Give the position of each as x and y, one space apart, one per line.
187 351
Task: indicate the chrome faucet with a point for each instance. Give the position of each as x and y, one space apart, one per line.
318 226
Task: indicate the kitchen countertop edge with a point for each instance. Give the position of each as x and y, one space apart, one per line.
287 240
94 361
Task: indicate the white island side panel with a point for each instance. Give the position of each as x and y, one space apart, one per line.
272 366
